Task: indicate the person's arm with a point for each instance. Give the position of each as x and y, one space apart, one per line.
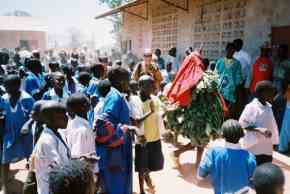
107 133
136 72
206 165
249 77
238 74
274 130
251 165
146 115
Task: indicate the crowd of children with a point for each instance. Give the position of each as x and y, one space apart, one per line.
93 112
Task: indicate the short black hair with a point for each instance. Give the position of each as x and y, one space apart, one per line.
145 80
84 77
72 177
239 42
116 74
67 69
57 74
54 63
230 45
32 63
38 105
232 131
267 178
75 100
104 87
264 86
157 51
98 70
49 108
12 79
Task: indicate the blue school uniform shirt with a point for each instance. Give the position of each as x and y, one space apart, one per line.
229 167
92 89
15 145
285 131
51 95
230 76
33 83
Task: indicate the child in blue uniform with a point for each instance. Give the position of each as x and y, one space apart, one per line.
58 92
98 71
16 146
35 84
84 81
229 166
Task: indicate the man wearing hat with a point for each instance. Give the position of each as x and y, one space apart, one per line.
147 67
262 69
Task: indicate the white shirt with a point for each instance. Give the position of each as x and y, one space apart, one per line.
136 112
261 116
80 138
175 63
49 151
244 58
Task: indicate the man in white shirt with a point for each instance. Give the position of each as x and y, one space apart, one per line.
51 148
258 119
80 137
243 57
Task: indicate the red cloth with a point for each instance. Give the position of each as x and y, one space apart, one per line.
187 78
262 70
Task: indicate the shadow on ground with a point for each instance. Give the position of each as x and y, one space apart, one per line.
188 173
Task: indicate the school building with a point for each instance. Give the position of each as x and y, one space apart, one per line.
212 23
28 32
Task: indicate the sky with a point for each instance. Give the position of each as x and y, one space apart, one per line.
62 15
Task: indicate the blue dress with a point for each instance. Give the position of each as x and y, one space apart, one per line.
116 163
15 145
285 132
33 83
230 77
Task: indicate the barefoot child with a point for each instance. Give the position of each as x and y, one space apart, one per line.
16 146
258 119
229 166
149 158
51 148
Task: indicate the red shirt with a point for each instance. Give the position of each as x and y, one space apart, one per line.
262 70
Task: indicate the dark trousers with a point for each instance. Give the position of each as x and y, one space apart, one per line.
262 159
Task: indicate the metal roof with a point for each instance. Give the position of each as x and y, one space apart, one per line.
121 8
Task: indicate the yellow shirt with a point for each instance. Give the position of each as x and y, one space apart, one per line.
152 123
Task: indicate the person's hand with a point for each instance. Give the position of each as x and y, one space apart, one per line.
172 107
142 139
152 106
266 132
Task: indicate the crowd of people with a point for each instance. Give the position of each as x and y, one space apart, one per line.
75 120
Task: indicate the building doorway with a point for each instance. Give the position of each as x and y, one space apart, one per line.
280 35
